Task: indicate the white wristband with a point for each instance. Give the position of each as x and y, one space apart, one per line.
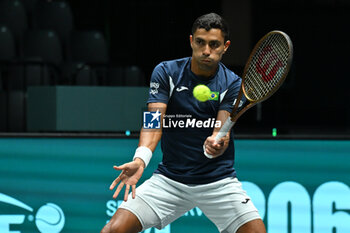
143 153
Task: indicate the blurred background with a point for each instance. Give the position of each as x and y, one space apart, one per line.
65 52
74 78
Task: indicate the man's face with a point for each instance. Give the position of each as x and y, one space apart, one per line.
207 49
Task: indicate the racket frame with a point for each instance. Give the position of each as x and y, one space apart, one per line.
234 115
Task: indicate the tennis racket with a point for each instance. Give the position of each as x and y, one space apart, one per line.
264 72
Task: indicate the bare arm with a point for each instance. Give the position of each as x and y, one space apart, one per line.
151 137
131 172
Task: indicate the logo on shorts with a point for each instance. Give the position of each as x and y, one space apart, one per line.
246 201
151 120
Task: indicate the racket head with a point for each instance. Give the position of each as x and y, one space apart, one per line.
267 66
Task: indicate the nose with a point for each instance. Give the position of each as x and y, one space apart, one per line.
206 50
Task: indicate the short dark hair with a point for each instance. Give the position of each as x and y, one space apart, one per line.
209 21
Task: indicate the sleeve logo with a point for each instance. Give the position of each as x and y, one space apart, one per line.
154 88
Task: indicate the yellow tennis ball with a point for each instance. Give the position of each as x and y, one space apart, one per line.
201 92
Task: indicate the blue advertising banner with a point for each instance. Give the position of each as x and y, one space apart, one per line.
52 185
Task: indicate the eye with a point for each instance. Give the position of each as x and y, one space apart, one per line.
214 44
199 41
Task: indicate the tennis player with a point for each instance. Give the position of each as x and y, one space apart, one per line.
186 178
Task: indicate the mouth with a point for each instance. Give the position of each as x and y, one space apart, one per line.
206 60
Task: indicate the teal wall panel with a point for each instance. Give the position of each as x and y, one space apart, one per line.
295 184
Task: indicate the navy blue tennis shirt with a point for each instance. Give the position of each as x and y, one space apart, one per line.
188 122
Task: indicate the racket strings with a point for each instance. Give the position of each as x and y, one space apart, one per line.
266 67
273 43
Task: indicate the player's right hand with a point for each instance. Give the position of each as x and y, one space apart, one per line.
130 175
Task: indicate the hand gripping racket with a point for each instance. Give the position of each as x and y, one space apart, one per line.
264 72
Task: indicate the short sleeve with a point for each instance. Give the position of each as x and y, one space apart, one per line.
229 98
159 85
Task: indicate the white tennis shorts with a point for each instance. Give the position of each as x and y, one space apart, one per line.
160 201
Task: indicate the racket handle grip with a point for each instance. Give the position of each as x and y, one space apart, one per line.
222 132
225 129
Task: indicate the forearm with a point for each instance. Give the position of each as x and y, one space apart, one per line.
147 144
150 138
222 117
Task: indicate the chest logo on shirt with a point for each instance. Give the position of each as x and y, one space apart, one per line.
182 88
214 95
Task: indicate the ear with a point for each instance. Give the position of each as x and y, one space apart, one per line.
227 44
191 40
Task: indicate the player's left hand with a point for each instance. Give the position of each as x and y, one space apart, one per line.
216 148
